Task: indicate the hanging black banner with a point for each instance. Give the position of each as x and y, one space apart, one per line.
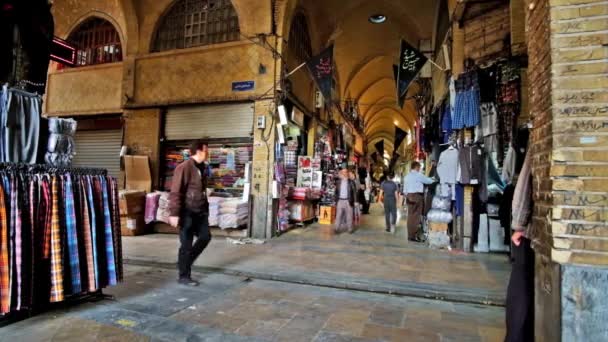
411 62
391 165
401 87
380 148
321 68
399 136
374 157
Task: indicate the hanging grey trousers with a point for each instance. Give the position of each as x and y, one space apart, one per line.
20 125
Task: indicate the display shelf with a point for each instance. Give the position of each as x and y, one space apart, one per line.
228 159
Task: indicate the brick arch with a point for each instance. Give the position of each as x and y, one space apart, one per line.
360 67
165 7
132 26
101 15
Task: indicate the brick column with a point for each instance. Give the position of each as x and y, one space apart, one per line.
263 172
568 77
142 134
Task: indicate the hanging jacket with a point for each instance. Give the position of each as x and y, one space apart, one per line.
521 211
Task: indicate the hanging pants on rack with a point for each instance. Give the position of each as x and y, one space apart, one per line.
20 126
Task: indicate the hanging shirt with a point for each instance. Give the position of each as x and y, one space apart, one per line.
509 165
470 165
447 166
489 119
452 88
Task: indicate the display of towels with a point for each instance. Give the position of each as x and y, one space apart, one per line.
162 214
61 147
214 210
152 200
234 213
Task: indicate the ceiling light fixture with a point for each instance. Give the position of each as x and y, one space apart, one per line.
377 18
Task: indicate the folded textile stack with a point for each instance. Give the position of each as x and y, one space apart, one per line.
301 193
162 215
151 207
233 213
440 215
440 212
214 210
61 148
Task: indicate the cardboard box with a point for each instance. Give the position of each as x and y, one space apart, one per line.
131 202
137 173
327 215
438 227
133 225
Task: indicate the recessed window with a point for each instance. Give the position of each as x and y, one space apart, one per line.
191 23
97 42
299 38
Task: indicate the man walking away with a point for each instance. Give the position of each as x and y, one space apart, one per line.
345 201
413 189
189 208
390 193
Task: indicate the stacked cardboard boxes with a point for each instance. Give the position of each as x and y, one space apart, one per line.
132 205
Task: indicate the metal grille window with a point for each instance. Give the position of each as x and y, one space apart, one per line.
97 42
299 38
191 23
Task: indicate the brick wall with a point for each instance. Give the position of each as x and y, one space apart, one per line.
485 35
580 160
568 92
547 276
86 90
517 11
539 80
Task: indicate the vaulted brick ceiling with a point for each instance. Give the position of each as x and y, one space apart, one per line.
365 53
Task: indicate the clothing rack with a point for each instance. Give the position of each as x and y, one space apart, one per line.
42 168
47 220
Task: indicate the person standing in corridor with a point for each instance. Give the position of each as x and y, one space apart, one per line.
345 201
413 189
390 195
189 208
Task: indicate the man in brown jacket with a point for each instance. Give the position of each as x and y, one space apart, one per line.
189 208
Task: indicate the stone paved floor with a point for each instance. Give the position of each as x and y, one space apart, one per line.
369 260
150 306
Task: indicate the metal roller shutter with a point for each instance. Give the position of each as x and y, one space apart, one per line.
99 149
210 121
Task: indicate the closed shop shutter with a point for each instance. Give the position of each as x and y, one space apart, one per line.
209 121
99 149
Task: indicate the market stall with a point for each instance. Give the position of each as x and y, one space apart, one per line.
477 138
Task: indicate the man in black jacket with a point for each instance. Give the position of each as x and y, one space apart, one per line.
189 208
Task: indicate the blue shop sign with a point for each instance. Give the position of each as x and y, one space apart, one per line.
243 85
